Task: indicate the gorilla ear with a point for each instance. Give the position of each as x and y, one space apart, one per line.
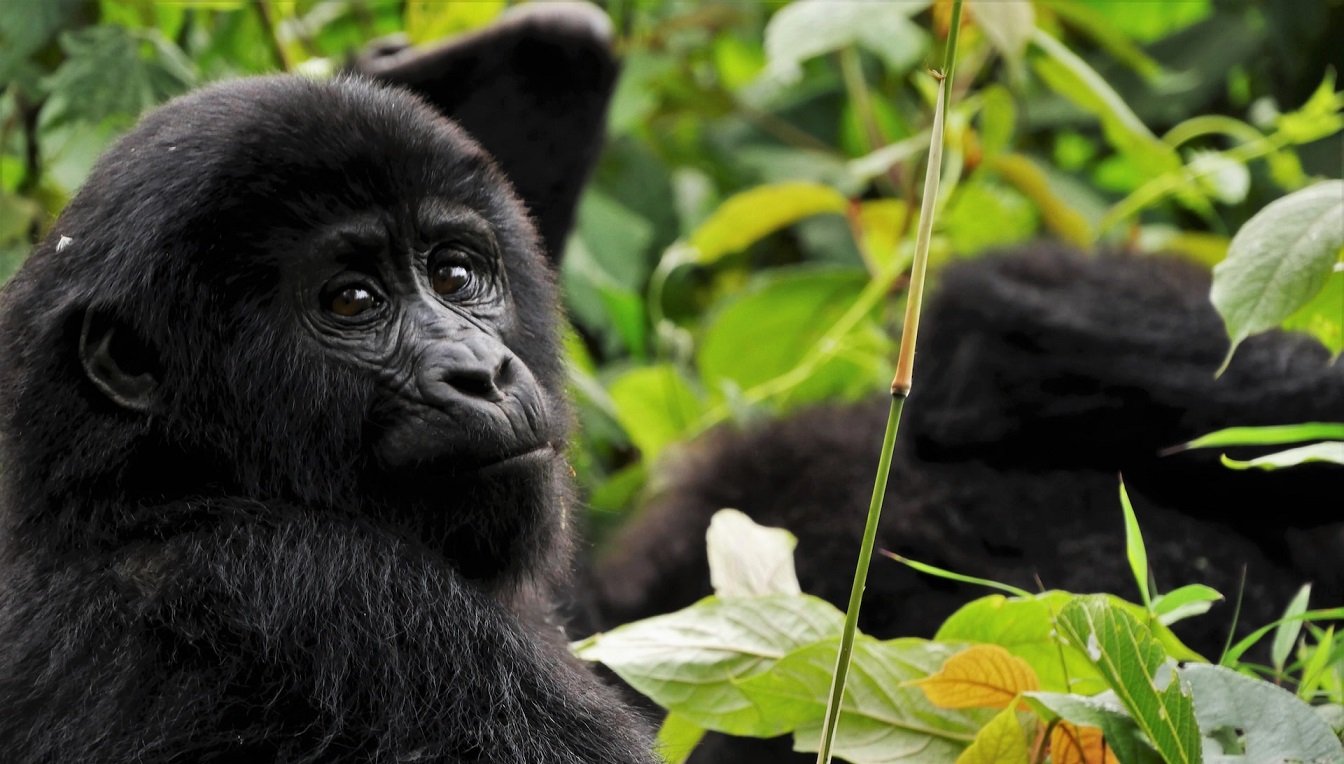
117 362
532 89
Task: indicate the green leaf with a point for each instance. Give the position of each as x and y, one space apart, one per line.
881 719
1279 260
656 406
1060 216
1001 741
769 331
984 214
25 28
749 560
1329 452
677 738
803 30
1224 179
1007 24
430 20
1318 118
1323 315
1104 712
745 218
693 662
1134 664
1272 435
1147 22
998 120
1184 602
1285 636
1274 725
1134 548
114 72
1068 75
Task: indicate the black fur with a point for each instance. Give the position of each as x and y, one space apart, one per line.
230 575
1041 376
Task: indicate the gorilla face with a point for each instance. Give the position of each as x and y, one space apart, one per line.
418 300
272 303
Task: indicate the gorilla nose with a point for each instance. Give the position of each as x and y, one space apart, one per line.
487 378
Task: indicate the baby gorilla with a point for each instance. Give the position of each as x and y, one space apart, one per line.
281 443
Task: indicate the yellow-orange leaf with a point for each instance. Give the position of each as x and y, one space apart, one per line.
981 676
1001 741
1079 745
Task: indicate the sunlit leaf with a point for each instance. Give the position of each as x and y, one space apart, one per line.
1285 636
1272 435
749 560
1134 548
1329 452
677 738
1323 315
429 20
773 328
745 218
1008 24
1279 260
693 661
655 405
1224 179
809 28
1059 216
1147 22
1002 741
1184 602
880 721
981 676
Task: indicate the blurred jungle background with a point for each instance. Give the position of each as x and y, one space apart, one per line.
742 248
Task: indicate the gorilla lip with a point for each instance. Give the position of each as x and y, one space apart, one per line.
543 451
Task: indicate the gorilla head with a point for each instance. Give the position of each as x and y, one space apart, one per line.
283 289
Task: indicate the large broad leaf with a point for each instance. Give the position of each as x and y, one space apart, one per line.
1026 628
1279 260
749 560
1007 24
1269 724
775 327
26 27
882 719
1139 671
810 28
745 218
655 405
694 661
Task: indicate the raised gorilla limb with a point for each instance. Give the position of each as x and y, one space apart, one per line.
532 90
1043 375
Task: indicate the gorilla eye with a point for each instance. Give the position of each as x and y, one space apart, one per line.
352 301
449 278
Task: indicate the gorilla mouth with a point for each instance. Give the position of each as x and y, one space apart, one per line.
539 453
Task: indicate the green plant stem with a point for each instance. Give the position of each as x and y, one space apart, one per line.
833 705
900 388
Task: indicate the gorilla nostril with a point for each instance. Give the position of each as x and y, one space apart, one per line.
504 375
473 382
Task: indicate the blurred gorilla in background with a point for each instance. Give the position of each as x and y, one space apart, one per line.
1043 374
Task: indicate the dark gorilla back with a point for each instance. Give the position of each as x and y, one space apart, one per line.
1042 375
282 449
